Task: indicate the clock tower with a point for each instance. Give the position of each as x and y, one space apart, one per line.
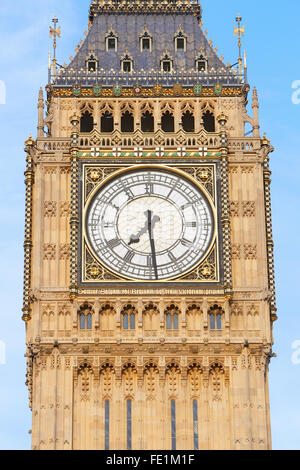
149 288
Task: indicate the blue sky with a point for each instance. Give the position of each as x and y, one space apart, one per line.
271 42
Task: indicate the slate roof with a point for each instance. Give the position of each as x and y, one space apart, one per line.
162 22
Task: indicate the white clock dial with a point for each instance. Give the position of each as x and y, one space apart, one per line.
150 224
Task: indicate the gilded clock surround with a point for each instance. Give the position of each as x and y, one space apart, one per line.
72 372
92 271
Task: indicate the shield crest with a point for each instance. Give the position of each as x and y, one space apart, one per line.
218 89
198 89
97 90
117 90
77 89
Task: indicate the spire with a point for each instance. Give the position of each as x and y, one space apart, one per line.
239 31
255 107
54 32
40 107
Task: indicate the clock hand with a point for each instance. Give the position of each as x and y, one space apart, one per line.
136 238
151 223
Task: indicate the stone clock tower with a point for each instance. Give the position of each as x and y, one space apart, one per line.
149 283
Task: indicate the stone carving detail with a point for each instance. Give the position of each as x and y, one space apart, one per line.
65 209
50 170
234 209
50 208
236 251
49 251
173 373
250 251
107 378
151 376
252 310
247 169
129 372
248 208
194 375
64 251
216 373
85 376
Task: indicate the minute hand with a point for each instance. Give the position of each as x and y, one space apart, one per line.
151 223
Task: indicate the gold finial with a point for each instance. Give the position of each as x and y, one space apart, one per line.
239 31
54 32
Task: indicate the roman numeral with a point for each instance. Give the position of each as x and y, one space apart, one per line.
191 224
185 206
108 224
186 242
128 257
113 243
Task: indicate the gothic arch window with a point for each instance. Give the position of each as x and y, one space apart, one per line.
111 41
209 121
188 122
166 63
215 317
85 317
151 318
126 64
201 64
147 122
107 122
128 318
86 122
107 318
180 41
146 42
167 122
92 63
172 318
127 122
107 423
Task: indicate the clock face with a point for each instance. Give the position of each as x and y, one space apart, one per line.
150 224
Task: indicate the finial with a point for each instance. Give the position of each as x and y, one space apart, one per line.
54 32
239 31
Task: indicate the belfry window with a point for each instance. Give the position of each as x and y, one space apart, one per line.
127 122
188 122
86 122
209 121
167 122
147 122
107 122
